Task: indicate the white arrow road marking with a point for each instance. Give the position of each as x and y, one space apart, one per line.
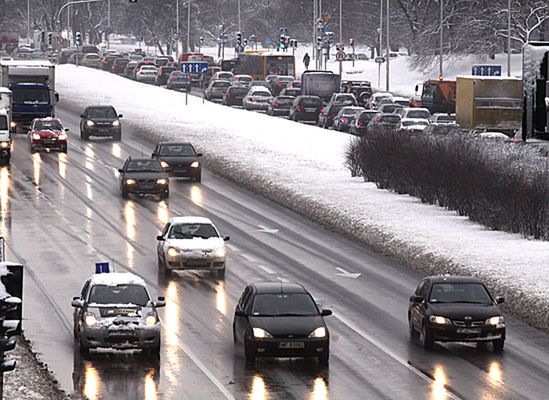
347 274
266 269
266 230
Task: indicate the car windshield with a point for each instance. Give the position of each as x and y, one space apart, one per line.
244 79
290 92
167 70
176 150
48 126
366 116
350 112
144 166
389 119
262 94
459 293
221 84
39 97
418 114
284 304
310 101
225 76
238 90
120 294
284 100
446 118
189 231
285 79
391 108
3 123
335 109
105 112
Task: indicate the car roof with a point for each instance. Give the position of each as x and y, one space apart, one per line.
117 278
47 119
190 220
453 279
278 287
406 109
174 143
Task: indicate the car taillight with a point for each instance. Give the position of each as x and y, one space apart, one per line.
343 119
298 109
172 79
321 109
250 98
360 122
378 118
275 104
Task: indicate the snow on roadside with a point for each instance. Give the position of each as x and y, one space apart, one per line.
301 167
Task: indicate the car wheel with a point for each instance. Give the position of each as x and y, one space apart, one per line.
324 358
198 178
414 334
165 195
426 338
118 137
249 352
64 149
124 193
32 149
498 345
84 350
220 273
235 341
153 352
162 269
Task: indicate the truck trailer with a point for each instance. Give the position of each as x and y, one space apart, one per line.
32 84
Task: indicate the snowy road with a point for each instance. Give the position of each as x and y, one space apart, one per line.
64 213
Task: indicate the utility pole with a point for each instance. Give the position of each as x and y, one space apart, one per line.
177 29
380 31
314 28
341 40
189 27
239 25
441 72
108 24
388 48
68 22
509 38
28 21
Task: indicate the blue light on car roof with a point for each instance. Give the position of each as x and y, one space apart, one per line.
102 268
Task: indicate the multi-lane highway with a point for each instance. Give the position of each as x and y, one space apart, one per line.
62 213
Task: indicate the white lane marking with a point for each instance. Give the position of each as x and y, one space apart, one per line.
203 368
266 269
232 247
390 353
347 274
264 229
248 257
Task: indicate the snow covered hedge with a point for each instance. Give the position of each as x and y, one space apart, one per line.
504 186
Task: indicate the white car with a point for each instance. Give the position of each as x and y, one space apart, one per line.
191 243
242 80
224 75
376 97
403 101
443 119
415 112
147 73
258 98
413 124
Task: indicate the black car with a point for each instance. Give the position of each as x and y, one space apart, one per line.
326 117
383 123
179 80
279 82
235 95
275 319
358 127
455 309
306 108
345 118
163 75
144 176
179 159
100 121
280 105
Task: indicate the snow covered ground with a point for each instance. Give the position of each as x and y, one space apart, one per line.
301 167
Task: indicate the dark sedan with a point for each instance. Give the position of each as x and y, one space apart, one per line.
179 80
163 75
345 118
455 309
144 176
179 159
305 108
235 95
100 121
280 105
275 319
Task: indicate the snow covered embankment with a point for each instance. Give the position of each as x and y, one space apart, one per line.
302 168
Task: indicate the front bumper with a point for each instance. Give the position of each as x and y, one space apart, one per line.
49 144
184 171
105 130
146 188
484 333
194 262
142 337
273 347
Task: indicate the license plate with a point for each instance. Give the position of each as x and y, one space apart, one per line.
468 331
310 109
104 130
291 345
121 333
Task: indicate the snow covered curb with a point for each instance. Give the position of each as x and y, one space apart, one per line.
301 167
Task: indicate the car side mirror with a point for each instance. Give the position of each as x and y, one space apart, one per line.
417 299
153 155
416 88
199 154
325 313
226 238
82 116
56 97
240 313
120 170
161 302
120 116
66 129
160 238
76 302
499 299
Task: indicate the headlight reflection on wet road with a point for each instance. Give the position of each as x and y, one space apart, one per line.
259 390
91 382
320 390
438 390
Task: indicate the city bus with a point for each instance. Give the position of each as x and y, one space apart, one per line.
261 63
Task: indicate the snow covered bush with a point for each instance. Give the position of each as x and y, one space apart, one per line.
504 186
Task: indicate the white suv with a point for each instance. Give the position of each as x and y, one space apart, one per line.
415 113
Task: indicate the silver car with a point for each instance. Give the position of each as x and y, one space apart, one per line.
115 310
258 98
191 243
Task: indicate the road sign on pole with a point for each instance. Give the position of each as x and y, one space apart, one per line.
190 67
340 56
487 70
380 60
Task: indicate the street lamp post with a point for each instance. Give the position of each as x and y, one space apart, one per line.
388 48
108 24
441 71
189 26
341 39
239 26
28 21
509 38
314 28
380 31
177 29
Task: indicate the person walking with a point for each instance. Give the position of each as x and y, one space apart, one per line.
306 60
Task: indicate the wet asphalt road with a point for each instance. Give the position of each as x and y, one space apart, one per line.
62 213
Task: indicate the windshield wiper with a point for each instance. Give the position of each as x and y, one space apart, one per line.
460 301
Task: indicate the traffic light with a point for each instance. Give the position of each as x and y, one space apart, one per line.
283 45
42 37
319 43
78 39
238 39
245 42
201 39
49 38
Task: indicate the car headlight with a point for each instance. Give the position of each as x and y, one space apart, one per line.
261 334
220 252
90 319
172 252
90 123
13 124
130 182
318 333
4 145
116 123
195 164
437 320
151 320
36 136
495 321
62 136
164 164
162 181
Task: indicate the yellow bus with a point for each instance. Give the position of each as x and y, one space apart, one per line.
260 63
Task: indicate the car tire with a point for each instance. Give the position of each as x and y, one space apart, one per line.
83 349
198 179
118 137
165 195
124 193
32 149
220 273
162 269
249 352
426 338
498 345
414 334
324 358
153 352
64 149
235 340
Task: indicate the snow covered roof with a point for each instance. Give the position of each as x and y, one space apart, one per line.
190 220
117 278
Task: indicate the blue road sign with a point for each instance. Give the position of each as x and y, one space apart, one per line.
194 67
487 70
102 268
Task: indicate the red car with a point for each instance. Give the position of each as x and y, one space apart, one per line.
47 134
